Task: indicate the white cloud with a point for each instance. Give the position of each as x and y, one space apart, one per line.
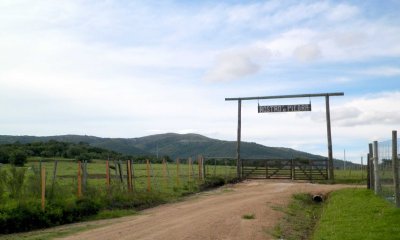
371 110
349 38
307 53
237 64
386 71
342 12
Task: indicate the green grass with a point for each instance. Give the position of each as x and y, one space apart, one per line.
357 214
301 215
116 213
249 216
351 176
50 233
167 184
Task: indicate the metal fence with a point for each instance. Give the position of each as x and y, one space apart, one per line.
384 169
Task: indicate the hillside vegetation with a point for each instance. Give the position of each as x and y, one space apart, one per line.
171 144
17 153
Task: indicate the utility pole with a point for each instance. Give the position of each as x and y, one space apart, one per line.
344 159
239 132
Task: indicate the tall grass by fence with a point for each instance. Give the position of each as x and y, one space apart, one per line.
48 192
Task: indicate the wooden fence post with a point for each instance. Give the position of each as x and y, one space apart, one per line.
395 166
291 169
168 175
79 180
155 184
43 174
377 184
177 172
129 175
164 165
148 175
190 163
108 175
84 173
215 167
120 171
199 164
226 169
133 176
203 168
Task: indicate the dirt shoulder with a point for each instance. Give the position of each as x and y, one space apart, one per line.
211 215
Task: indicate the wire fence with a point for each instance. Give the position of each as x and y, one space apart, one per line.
384 169
47 176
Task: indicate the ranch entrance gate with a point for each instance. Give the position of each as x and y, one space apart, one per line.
295 169
286 108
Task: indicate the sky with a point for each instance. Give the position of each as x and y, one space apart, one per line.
135 68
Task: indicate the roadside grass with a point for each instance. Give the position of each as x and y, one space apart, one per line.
20 192
357 214
51 233
301 215
107 214
249 216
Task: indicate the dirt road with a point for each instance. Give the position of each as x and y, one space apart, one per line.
211 215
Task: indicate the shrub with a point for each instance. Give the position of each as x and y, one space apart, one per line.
2 185
18 158
212 182
4 156
29 215
14 181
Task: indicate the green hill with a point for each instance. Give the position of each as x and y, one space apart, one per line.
171 144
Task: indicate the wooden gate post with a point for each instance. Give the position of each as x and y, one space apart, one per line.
329 136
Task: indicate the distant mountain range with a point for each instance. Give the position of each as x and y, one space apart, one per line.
172 144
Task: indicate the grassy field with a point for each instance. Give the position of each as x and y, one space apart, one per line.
347 214
357 214
349 176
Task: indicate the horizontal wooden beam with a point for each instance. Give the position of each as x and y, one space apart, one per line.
287 96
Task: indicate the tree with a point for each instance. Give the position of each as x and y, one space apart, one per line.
18 158
4 156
